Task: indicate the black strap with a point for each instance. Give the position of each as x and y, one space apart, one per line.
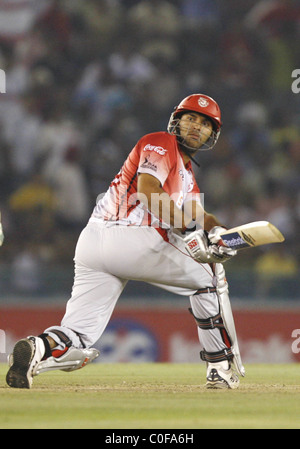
215 357
63 337
213 322
48 351
205 290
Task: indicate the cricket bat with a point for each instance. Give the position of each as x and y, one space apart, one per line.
252 234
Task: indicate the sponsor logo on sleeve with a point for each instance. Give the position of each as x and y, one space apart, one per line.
148 164
159 150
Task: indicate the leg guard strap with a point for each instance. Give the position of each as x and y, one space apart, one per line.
219 356
48 351
63 338
205 290
214 322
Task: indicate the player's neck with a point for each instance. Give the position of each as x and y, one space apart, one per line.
186 158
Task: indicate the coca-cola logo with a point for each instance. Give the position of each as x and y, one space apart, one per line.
159 150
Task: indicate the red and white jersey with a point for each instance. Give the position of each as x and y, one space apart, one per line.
158 155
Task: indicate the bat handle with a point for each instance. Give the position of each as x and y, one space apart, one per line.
221 243
214 235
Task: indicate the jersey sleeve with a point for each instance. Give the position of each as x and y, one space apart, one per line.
155 155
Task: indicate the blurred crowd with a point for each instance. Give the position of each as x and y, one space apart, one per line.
85 79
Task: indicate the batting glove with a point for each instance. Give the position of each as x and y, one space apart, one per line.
217 247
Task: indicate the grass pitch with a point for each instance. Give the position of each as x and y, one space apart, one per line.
153 396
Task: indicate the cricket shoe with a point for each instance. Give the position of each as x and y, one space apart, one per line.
26 355
69 359
221 377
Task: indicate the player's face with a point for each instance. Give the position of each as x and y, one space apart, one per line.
195 129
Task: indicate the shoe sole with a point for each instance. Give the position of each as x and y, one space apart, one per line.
221 386
22 356
217 386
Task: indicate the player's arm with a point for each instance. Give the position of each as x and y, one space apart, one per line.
210 221
161 205
204 219
154 197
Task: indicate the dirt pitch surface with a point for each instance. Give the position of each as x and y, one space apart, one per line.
153 396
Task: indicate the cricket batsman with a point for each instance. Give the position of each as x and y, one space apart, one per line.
150 226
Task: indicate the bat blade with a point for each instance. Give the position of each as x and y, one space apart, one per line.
252 234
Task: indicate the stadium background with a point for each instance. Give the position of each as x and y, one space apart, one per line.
84 81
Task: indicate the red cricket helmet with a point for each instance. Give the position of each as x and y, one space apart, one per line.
201 104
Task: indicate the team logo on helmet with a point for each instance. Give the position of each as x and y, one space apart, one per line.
203 103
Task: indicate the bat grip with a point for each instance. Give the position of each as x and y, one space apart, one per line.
214 235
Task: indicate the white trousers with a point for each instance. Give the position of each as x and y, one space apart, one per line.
106 258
